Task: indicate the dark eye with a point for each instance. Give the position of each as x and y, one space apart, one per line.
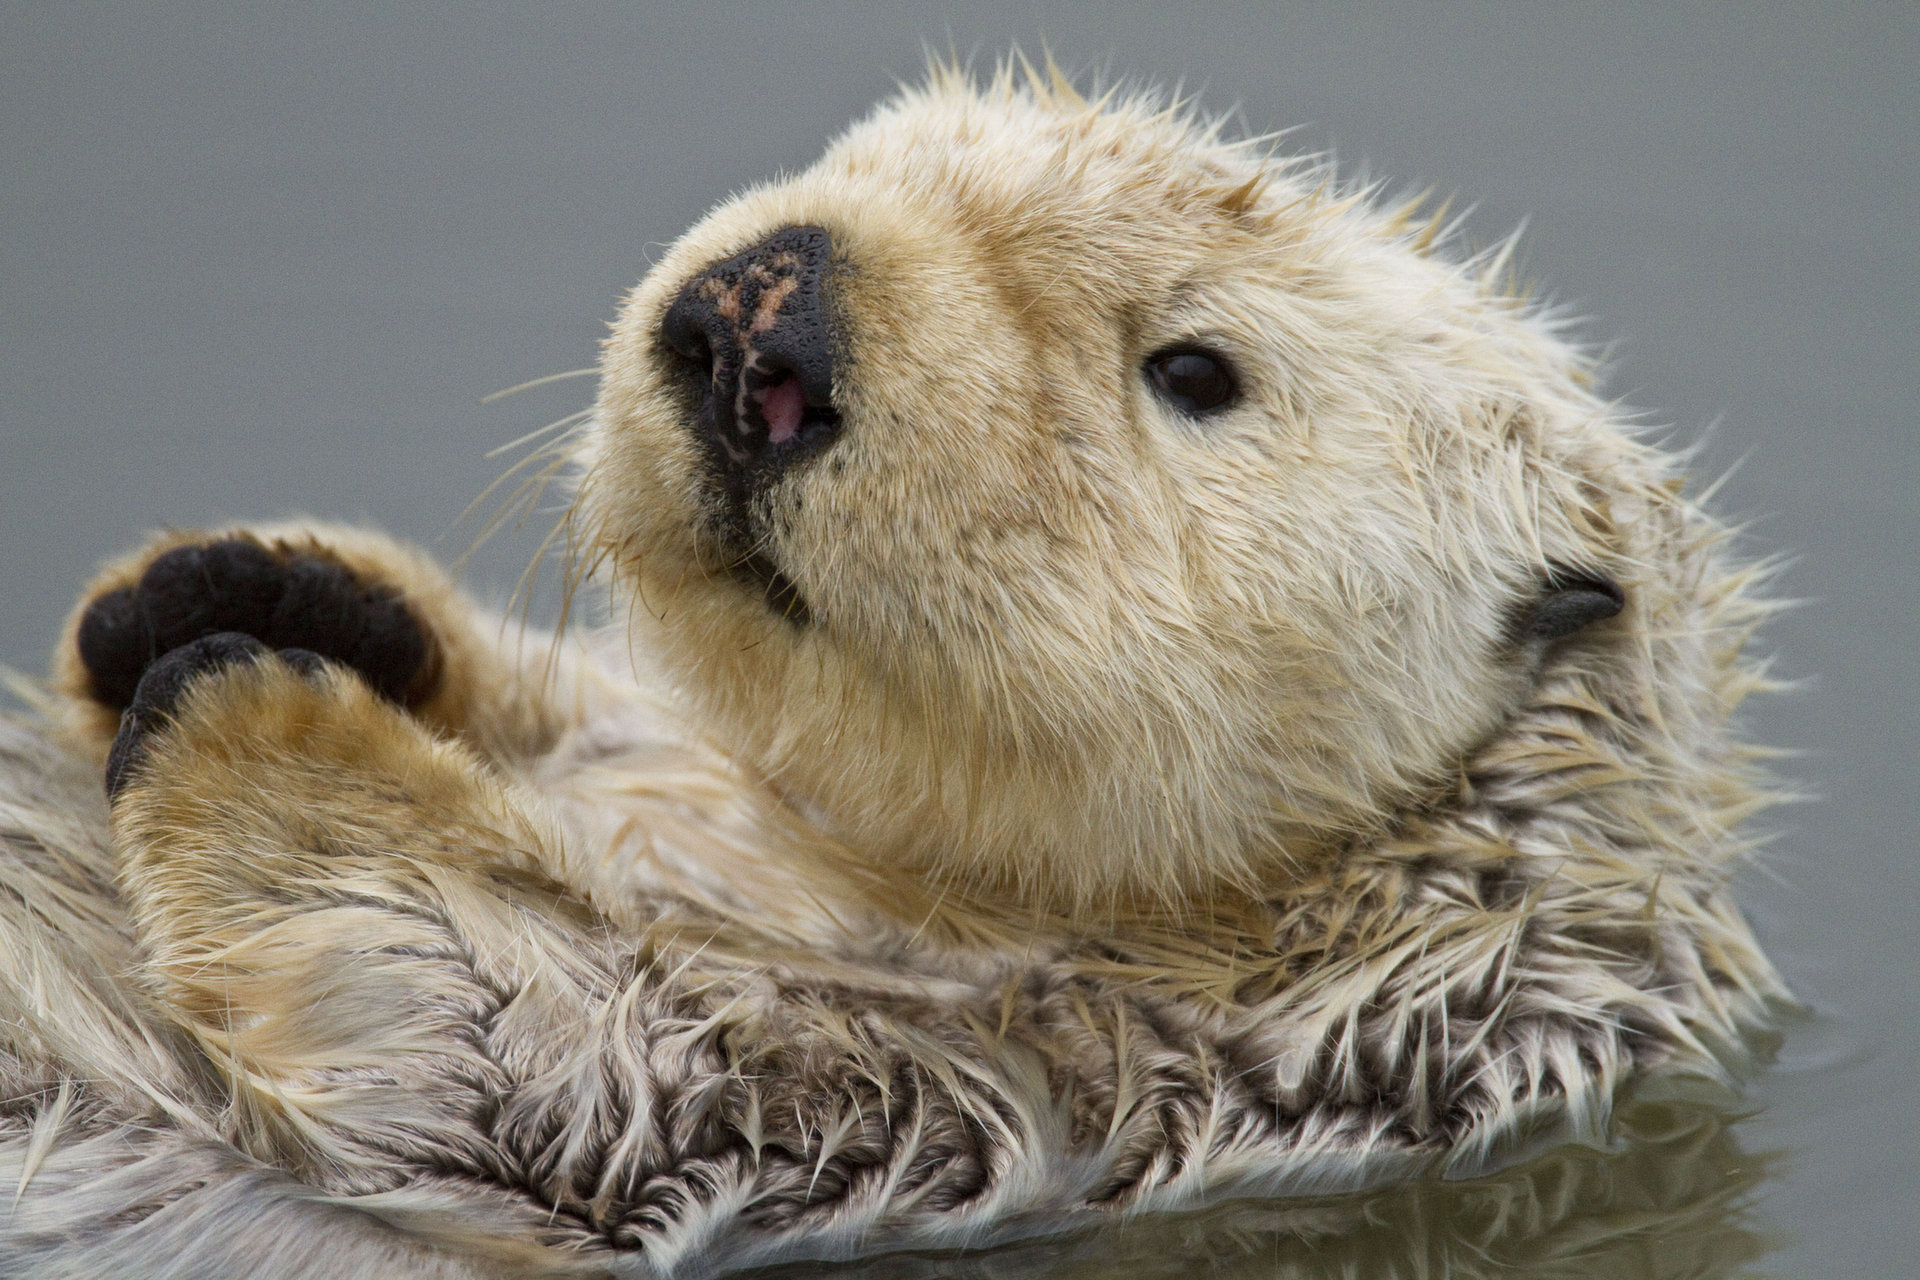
1191 381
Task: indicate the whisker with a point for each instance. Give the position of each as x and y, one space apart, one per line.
564 432
519 506
537 432
523 588
538 382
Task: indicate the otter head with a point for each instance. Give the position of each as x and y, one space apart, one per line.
1073 507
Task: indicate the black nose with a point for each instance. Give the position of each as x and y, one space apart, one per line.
755 337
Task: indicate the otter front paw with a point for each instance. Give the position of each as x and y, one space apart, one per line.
162 684
282 598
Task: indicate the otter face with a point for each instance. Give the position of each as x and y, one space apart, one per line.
1079 509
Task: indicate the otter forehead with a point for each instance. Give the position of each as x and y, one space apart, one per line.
1014 166
1052 199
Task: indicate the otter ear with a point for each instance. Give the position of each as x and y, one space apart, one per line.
1569 600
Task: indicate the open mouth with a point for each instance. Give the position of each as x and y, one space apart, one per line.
758 573
773 416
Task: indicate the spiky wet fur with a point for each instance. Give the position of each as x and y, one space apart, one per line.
1222 864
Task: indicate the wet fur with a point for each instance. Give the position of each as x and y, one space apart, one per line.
1091 849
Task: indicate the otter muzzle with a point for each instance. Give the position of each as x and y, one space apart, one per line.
755 333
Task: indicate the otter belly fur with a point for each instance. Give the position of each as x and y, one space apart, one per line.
1135 679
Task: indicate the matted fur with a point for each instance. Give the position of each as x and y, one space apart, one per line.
1150 812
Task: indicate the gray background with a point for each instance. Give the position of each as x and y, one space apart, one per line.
265 258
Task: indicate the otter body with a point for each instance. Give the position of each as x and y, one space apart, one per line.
1143 682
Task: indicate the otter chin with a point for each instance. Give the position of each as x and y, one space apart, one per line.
1075 508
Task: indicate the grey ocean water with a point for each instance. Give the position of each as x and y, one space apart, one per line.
261 258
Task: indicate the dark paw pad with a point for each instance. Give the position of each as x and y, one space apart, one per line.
159 690
285 600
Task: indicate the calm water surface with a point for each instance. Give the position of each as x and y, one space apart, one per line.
1673 1198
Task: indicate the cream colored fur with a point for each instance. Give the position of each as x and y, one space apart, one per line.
1152 811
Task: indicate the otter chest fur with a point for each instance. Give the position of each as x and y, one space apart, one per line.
1134 678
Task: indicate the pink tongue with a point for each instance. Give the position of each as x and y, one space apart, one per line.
781 405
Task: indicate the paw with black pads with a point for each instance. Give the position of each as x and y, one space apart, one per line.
283 598
165 682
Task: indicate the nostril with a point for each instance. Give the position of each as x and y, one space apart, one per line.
685 334
687 359
695 352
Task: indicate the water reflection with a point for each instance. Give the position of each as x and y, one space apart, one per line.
1672 1199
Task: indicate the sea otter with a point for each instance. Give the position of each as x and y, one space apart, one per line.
1136 677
